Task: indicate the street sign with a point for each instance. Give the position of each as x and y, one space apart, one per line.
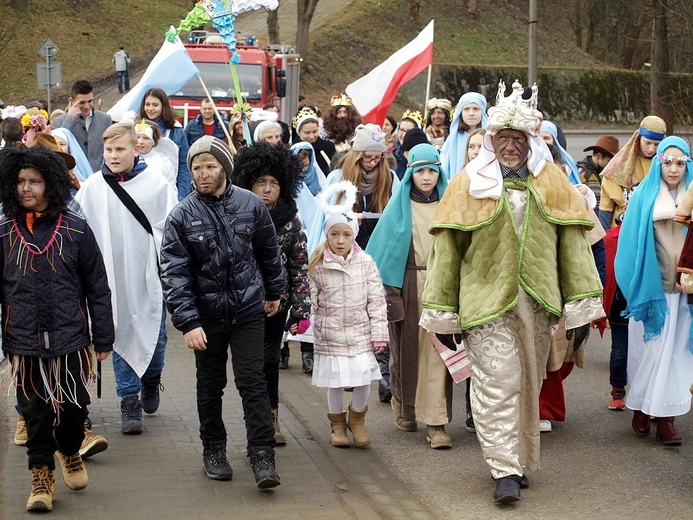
48 49
56 76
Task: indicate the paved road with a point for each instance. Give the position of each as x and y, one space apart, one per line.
593 465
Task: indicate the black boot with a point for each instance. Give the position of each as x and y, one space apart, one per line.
262 463
215 462
507 489
284 357
307 358
131 414
151 384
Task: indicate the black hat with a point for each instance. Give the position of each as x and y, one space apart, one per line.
412 138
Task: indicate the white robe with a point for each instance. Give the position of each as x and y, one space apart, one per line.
130 254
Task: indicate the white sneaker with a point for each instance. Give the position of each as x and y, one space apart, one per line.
544 426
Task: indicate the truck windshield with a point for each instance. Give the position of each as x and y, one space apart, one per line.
217 77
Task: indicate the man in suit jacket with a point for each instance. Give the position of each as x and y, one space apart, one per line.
84 122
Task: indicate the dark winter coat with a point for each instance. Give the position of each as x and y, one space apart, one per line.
220 258
49 299
294 247
196 129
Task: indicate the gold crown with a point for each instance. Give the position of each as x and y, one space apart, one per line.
141 127
341 101
304 113
415 115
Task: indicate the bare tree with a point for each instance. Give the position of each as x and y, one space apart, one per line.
306 10
660 65
273 25
414 8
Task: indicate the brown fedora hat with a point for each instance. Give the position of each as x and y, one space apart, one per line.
607 144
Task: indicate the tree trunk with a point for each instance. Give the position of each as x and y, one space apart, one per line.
306 10
660 105
273 25
414 8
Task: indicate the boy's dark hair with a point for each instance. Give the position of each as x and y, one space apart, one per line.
81 86
51 167
267 159
11 129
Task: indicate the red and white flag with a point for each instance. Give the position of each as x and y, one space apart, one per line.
373 93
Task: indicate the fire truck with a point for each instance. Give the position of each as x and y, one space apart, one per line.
268 74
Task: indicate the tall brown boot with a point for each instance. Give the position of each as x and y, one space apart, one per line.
641 423
279 437
357 426
339 437
666 431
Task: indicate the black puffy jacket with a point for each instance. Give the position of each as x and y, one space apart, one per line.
219 258
49 299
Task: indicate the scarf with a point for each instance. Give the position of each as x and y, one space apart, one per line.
391 239
636 266
368 181
574 175
314 178
138 167
453 155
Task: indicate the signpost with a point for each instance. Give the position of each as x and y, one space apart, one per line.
44 75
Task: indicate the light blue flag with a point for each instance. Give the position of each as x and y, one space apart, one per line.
170 70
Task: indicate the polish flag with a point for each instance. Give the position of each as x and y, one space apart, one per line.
373 93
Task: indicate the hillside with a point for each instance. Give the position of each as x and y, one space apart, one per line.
348 38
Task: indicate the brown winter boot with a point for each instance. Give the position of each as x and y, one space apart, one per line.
666 431
279 437
357 426
74 472
339 437
42 490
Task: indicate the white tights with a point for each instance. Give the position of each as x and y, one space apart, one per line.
359 398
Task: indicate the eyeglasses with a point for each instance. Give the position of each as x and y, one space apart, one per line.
369 160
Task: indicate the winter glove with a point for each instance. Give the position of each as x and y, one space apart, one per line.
303 325
581 334
450 340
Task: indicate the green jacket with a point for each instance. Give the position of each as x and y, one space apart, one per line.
477 264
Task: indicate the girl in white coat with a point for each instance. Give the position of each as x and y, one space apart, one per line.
350 325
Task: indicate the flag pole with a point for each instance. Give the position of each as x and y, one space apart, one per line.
428 92
218 114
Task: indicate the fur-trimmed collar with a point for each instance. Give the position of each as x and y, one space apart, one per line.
665 206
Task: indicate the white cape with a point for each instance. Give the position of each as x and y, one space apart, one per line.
130 255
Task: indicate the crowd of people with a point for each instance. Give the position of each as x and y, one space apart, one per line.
461 244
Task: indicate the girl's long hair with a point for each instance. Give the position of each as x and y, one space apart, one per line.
352 172
168 116
317 257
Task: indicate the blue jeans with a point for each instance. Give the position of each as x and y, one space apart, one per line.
618 361
126 378
123 75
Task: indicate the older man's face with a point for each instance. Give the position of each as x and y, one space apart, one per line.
511 147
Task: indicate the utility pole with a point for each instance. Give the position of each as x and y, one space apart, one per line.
533 22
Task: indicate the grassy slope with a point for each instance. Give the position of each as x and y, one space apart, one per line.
495 35
341 51
87 34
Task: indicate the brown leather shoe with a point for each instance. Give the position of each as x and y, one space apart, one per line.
641 423
666 431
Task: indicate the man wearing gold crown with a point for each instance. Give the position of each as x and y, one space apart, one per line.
340 122
509 258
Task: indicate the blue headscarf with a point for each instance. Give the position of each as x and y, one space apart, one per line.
574 175
636 267
313 176
389 244
454 151
82 167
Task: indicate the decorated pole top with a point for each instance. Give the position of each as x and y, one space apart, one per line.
222 14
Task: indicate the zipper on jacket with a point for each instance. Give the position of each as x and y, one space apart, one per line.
46 340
